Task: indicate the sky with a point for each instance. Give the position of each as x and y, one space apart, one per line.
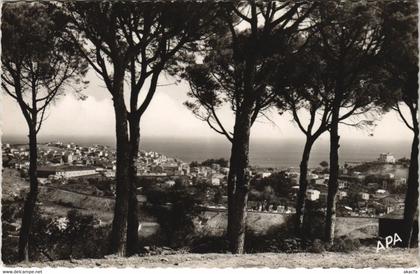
167 117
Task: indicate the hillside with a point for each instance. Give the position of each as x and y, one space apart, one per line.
12 184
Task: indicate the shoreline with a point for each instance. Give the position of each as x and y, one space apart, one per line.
276 155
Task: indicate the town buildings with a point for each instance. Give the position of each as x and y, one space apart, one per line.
361 192
386 158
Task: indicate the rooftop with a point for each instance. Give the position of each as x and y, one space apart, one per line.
65 168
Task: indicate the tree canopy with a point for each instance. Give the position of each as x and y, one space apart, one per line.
38 61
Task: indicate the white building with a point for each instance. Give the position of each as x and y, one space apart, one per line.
224 170
342 194
364 195
215 181
311 176
381 191
312 194
75 172
109 173
265 174
170 183
342 184
320 181
386 158
66 171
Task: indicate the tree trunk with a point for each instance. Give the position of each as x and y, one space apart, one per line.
333 181
412 194
303 185
133 221
238 183
29 206
119 223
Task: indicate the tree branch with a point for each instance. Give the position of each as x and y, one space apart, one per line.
8 91
398 109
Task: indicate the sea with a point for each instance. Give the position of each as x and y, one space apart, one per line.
266 153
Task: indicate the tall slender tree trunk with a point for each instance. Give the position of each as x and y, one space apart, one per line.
29 206
119 224
238 183
334 170
412 194
133 221
303 185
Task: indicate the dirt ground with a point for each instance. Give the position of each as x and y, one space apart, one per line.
365 257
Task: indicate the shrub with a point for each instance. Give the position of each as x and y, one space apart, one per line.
317 246
73 236
10 211
176 217
272 243
210 245
291 245
345 244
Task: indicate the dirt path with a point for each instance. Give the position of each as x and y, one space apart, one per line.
366 257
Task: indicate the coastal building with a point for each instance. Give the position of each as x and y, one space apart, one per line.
387 158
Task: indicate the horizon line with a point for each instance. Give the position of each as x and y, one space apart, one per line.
322 138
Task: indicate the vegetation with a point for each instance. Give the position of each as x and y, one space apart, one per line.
401 74
134 42
327 63
38 63
235 71
350 36
222 162
324 164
